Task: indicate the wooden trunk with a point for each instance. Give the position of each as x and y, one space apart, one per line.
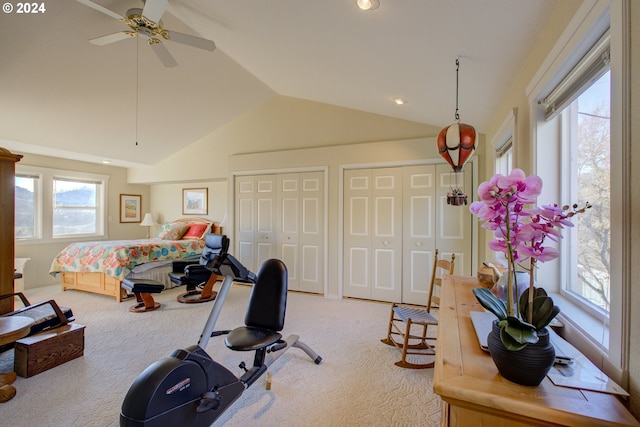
48 349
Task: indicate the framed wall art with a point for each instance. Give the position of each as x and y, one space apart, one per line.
130 207
194 201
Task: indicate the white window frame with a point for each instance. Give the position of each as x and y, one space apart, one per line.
44 203
605 344
505 135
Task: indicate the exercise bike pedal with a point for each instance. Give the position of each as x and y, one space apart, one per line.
209 401
243 366
279 345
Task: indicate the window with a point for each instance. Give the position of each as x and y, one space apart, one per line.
580 134
75 207
26 226
56 204
504 158
588 117
580 106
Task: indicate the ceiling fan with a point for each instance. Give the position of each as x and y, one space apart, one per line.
146 23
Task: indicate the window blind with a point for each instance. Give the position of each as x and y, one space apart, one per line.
590 68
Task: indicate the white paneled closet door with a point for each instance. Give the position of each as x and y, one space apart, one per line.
373 234
255 215
244 208
419 236
289 225
282 216
394 219
312 233
454 223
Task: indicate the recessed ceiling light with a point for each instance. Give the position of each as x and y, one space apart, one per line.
106 162
399 101
368 4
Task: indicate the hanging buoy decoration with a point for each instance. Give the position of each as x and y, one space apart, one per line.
456 144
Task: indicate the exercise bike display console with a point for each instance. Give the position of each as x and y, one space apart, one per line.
189 388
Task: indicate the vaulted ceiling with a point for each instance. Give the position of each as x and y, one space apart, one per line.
63 96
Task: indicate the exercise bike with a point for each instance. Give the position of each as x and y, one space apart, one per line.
189 388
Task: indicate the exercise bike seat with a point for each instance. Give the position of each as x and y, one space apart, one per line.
266 310
248 338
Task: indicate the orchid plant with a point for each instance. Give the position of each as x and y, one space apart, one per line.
521 232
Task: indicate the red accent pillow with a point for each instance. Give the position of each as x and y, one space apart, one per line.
195 231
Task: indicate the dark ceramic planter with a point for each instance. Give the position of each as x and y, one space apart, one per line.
528 366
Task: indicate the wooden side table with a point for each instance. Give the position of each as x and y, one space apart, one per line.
12 328
474 393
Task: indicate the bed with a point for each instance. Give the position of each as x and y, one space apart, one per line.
101 266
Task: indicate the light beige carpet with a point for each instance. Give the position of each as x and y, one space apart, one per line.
357 383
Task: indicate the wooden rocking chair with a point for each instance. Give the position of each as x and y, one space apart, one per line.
403 317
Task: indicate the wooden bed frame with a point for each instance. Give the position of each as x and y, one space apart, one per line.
98 283
104 284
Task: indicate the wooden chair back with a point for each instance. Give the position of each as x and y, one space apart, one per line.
447 267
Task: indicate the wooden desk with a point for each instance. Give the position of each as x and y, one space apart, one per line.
475 394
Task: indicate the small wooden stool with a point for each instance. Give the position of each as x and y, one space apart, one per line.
142 289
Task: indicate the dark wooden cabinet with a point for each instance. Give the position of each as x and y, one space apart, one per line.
8 162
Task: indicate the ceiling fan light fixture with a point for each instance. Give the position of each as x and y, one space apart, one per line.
368 4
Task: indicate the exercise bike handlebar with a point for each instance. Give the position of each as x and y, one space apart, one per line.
231 269
215 312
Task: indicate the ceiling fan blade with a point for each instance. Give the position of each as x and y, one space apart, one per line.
112 38
198 42
162 53
154 9
99 8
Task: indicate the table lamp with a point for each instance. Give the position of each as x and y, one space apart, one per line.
148 221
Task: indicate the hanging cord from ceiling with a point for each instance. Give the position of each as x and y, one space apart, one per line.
137 86
457 117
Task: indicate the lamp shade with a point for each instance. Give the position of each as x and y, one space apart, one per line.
148 220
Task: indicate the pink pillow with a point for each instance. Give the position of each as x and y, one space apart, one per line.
196 231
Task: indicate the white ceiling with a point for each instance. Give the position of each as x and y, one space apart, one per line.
62 96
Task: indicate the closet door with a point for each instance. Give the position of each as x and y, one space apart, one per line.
312 232
394 219
245 209
373 234
282 216
265 236
419 224
255 218
453 223
289 226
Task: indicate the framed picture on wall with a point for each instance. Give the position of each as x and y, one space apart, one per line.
130 207
194 201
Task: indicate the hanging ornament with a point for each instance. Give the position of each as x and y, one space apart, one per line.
456 144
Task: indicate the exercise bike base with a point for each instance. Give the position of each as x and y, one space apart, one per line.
169 391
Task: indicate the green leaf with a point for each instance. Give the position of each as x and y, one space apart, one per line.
522 332
490 302
543 309
510 343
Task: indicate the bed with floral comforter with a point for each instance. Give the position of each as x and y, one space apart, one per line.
101 266
118 257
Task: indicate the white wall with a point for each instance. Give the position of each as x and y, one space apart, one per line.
166 201
281 124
